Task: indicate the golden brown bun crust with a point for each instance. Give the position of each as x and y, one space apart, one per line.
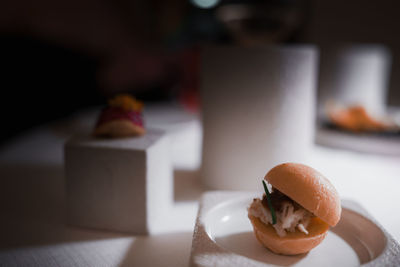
293 243
118 128
309 188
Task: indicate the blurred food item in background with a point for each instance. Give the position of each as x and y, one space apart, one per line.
353 112
263 22
121 118
354 74
357 119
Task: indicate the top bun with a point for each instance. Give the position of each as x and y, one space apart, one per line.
308 188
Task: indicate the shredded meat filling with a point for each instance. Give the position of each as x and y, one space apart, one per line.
289 214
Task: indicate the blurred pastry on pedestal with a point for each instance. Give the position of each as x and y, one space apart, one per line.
121 118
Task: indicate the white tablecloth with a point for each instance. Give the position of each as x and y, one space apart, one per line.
32 228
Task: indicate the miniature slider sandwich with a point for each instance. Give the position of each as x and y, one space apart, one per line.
295 217
121 118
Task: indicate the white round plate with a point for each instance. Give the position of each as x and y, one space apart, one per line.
355 240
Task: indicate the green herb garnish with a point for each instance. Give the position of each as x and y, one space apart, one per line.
271 208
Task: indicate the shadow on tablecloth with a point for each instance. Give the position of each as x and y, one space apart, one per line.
32 203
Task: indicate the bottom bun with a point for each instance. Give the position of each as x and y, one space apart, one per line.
118 128
294 242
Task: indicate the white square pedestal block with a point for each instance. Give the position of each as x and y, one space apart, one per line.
119 184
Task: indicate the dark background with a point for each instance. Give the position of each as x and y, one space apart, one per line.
57 57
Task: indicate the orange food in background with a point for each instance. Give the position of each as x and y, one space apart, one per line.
356 119
122 117
126 102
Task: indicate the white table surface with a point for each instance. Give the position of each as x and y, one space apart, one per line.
32 228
